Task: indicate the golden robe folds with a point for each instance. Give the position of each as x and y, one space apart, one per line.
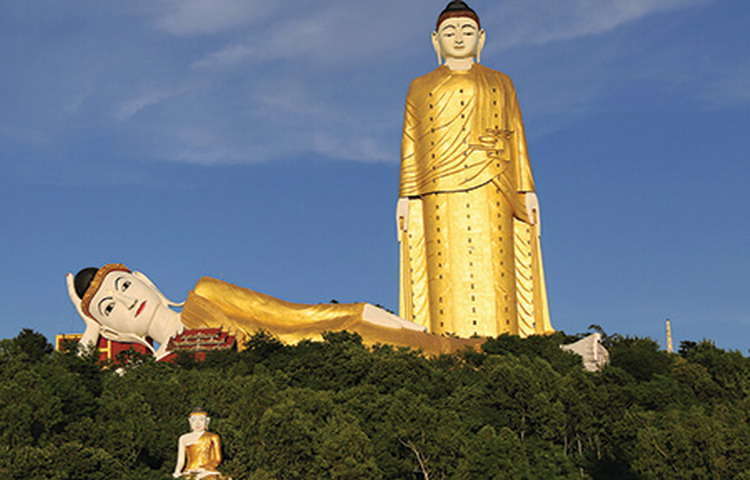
243 312
205 453
471 261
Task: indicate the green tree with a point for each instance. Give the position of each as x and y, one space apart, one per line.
69 461
33 344
730 370
640 357
345 451
492 456
521 408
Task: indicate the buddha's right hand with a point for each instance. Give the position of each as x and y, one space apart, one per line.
402 216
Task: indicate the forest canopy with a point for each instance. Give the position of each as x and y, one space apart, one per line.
520 409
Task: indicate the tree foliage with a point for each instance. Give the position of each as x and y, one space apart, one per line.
520 409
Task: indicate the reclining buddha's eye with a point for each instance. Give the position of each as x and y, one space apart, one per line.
125 285
106 306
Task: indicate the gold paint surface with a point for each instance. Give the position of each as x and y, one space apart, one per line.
462 130
470 262
243 312
205 453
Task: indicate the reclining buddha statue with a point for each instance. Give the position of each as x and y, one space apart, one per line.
126 306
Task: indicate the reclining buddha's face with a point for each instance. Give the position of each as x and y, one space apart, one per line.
125 303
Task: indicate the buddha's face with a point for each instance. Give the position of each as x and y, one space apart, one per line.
125 303
459 37
198 423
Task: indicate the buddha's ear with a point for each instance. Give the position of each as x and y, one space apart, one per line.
144 278
480 44
436 46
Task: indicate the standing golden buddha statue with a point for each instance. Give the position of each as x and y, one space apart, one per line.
468 217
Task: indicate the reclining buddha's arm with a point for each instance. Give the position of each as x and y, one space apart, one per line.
90 337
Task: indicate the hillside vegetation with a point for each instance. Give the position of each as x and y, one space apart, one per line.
521 409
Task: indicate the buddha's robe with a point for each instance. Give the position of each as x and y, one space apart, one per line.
204 454
243 312
470 258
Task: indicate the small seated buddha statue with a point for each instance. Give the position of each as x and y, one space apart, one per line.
199 452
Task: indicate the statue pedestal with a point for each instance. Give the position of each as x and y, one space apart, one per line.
198 341
107 349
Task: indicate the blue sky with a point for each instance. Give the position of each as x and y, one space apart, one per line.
257 142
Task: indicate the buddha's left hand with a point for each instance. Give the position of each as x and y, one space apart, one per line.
530 202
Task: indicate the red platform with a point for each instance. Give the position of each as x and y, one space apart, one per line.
197 341
108 349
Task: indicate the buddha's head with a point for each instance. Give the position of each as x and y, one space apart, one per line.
458 33
199 420
115 298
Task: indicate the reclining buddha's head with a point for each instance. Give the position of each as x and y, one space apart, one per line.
116 298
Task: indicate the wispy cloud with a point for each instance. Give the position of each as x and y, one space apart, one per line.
205 146
730 89
536 22
198 17
133 105
292 38
336 32
227 56
333 35
330 33
286 118
74 102
291 98
360 149
318 125
316 78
